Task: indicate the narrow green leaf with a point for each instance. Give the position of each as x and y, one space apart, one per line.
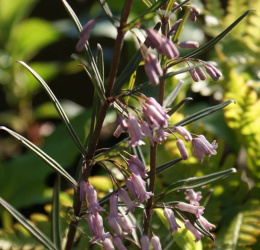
181 25
96 80
112 152
178 106
141 17
55 219
197 181
52 163
58 108
167 165
100 62
35 232
171 97
215 40
200 114
108 12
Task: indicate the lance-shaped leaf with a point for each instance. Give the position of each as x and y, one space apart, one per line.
143 16
171 97
112 152
215 40
96 80
179 105
28 225
202 113
52 163
196 181
58 107
108 12
55 214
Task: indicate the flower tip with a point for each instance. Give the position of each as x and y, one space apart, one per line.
233 170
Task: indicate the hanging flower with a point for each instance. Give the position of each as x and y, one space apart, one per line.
170 217
197 210
193 197
191 228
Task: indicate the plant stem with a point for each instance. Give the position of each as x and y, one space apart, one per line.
153 150
100 120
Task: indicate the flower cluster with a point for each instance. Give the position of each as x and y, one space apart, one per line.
193 208
156 120
200 145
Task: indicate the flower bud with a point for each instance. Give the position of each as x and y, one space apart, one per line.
170 217
191 228
189 45
182 149
174 27
200 73
83 190
145 242
118 243
184 133
156 242
107 244
194 75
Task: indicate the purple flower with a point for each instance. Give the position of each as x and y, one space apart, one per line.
206 224
194 75
100 233
194 12
92 228
107 244
126 199
182 149
191 228
189 44
156 242
200 73
137 166
213 71
118 243
184 133
202 147
153 69
84 34
170 217
139 186
93 200
83 190
130 186
112 222
197 210
135 131
122 122
113 206
174 27
161 135
193 197
145 242
124 224
153 39
154 113
147 132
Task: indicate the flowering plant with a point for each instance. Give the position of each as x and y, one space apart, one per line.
147 122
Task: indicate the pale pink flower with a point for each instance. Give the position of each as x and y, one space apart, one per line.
130 186
161 135
147 132
135 131
194 13
153 39
207 225
136 166
127 227
189 44
145 242
113 206
197 210
182 149
92 228
139 186
153 69
184 133
214 73
193 197
156 242
93 200
119 130
118 243
191 228
112 222
107 244
170 217
100 233
202 147
126 199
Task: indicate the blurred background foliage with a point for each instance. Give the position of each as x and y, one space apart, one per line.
40 33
